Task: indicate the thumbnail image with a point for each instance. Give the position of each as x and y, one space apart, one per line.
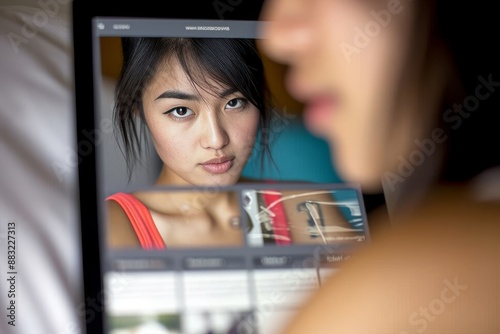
219 322
142 324
291 217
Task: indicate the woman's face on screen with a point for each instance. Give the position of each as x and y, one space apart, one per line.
204 135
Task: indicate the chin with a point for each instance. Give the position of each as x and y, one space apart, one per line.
369 183
221 181
358 172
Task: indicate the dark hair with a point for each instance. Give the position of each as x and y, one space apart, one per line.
235 63
452 54
470 31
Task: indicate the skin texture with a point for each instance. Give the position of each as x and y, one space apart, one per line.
400 283
213 127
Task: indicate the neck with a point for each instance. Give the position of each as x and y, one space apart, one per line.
407 192
219 206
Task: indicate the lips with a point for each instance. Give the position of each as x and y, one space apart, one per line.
218 165
320 103
318 113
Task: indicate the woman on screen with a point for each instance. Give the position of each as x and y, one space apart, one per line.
201 101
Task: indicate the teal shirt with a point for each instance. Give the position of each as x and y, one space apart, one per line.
298 155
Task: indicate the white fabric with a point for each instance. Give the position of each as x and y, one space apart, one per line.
38 178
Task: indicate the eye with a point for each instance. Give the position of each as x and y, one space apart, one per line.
179 112
237 103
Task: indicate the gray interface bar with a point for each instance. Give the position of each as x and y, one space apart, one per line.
150 27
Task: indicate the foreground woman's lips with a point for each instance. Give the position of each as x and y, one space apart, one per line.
218 165
318 112
320 103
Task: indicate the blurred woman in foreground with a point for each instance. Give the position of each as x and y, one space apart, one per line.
407 93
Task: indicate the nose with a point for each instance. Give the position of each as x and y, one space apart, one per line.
286 31
214 135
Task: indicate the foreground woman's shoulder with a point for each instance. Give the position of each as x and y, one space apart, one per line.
436 270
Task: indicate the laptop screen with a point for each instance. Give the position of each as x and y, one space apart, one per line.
231 241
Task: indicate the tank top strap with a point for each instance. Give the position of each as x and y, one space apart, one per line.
141 220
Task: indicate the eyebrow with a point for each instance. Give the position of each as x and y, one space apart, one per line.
174 94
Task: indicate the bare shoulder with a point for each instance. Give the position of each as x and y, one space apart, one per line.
120 233
436 271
